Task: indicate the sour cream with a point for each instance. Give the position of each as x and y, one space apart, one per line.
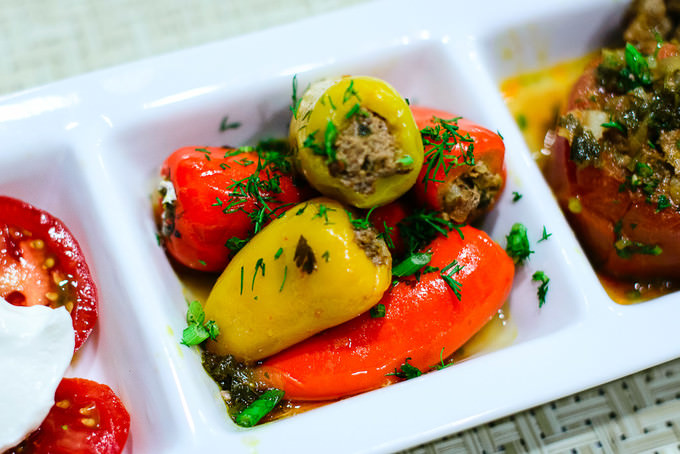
36 347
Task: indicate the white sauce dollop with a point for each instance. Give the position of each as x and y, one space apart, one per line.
36 347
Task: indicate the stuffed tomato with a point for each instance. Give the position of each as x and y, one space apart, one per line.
615 163
355 140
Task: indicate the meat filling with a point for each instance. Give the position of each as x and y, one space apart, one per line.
375 249
468 195
365 151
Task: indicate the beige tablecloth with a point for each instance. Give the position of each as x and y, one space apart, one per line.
46 40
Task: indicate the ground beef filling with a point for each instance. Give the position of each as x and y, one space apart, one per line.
648 19
365 151
375 249
467 196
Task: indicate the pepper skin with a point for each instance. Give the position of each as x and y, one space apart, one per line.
194 225
422 318
303 273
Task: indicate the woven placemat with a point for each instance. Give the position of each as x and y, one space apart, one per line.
46 40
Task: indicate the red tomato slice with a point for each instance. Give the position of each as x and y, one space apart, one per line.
42 264
87 418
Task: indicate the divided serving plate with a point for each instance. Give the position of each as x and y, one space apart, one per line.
88 149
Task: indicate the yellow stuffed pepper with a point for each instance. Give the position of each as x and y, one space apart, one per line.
309 270
355 140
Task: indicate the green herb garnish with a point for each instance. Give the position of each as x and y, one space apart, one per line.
518 243
296 101
378 311
441 364
259 265
662 203
254 412
440 142
198 330
545 235
411 264
539 276
421 227
637 64
447 274
614 125
285 274
406 371
516 196
226 125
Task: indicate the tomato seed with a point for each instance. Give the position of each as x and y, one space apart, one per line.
87 411
63 404
37 244
69 306
52 296
49 263
89 422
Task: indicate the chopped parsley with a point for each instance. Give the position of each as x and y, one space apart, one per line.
662 203
516 196
637 64
198 330
545 235
518 243
626 248
540 276
378 311
406 371
614 125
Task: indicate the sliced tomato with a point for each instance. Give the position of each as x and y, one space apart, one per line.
41 263
219 195
87 418
462 192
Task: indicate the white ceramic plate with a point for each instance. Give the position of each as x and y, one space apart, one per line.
87 150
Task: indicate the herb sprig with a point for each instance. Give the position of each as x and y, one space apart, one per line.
441 141
198 330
